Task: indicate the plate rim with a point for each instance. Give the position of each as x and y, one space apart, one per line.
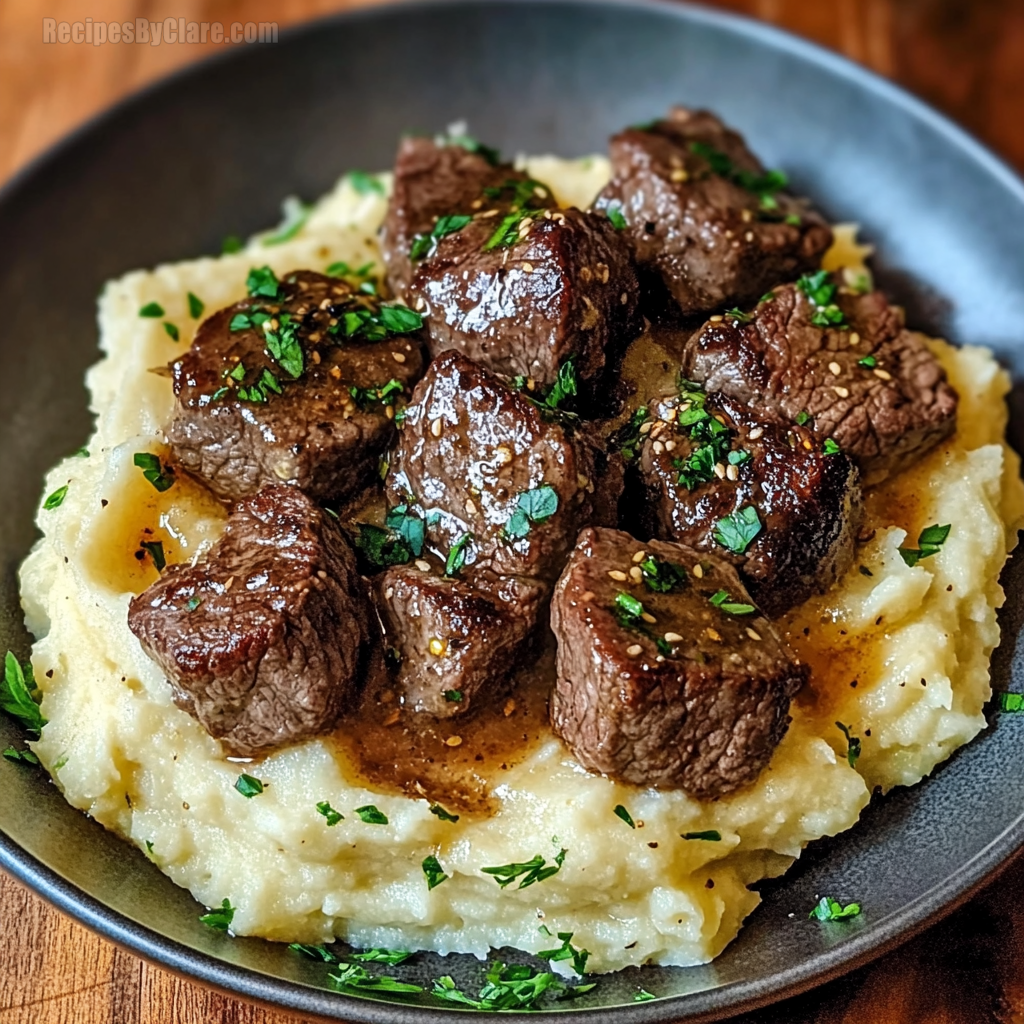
716 1003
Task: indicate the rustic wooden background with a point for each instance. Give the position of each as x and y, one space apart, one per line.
964 56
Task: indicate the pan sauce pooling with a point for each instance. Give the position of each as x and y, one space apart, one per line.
915 640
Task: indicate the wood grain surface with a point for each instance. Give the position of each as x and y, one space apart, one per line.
964 56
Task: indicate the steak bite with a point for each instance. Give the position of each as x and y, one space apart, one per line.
501 481
839 360
453 641
266 639
704 215
766 498
665 678
296 384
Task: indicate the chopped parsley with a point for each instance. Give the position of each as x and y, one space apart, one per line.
764 186
868 362
332 816
82 453
803 418
353 977
711 435
710 835
342 269
536 506
767 297
738 315
457 555
409 527
193 603
643 996
828 909
514 987
613 211
434 872
161 477
18 695
426 245
736 531
152 310
439 812
365 184
662 577
384 395
629 613
248 786
394 957
567 951
523 205
294 214
195 306
720 600
325 956
243 321
929 542
56 499
260 391
471 145
382 547
262 282
528 872
284 347
231 244
830 447
21 757
1013 702
172 331
155 550
565 385
453 696
219 918
621 812
628 437
852 744
739 456
370 814
818 287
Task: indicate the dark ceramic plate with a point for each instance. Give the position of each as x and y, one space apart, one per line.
210 152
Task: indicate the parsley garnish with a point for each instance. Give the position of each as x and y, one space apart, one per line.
711 835
219 918
82 453
453 696
534 870
56 499
627 438
868 362
567 951
613 211
536 506
928 543
565 385
426 245
153 310
394 957
262 281
739 456
231 244
352 976
21 757
195 306
523 205
515 987
819 289
621 812
828 909
370 814
172 331
439 812
409 526
384 395
720 600
382 547
457 555
802 418
738 529
18 695
471 145
629 614
332 816
248 786
767 297
294 214
284 347
193 602
852 744
434 872
160 477
643 996
155 549
1011 702
325 956
738 315
662 577
258 392
764 186
712 435
830 447
365 183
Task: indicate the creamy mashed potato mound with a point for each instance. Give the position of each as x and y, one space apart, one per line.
901 656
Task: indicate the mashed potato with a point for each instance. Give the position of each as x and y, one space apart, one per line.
900 656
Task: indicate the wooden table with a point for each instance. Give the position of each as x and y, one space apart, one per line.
964 56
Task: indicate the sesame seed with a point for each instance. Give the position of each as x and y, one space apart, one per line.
673 638
854 338
882 374
531 384
753 634
698 571
527 268
422 565
755 433
648 617
617 574
645 428
421 303
660 657
635 574
633 650
540 192
488 214
639 556
315 356
679 174
717 319
842 392
470 507
670 446
749 236
587 595
389 593
658 447
624 298
389 411
321 574
399 357
454 741
746 216
502 455
436 646
719 470
732 472
713 633
807 444
476 204
436 426
658 428
835 369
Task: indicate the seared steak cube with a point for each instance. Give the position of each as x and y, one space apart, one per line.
841 361
501 482
670 680
434 181
766 498
265 640
704 215
296 384
453 641
558 285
